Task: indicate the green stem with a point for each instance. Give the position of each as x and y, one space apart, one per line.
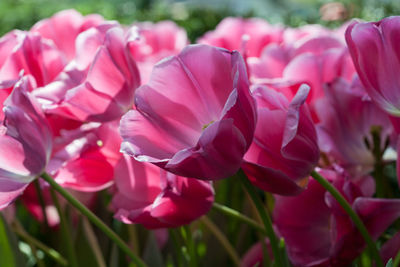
222 239
94 219
42 203
396 260
353 215
175 241
65 231
187 236
30 239
239 216
264 217
133 238
94 244
378 173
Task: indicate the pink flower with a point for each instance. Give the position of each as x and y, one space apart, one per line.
99 84
157 39
249 36
155 198
63 28
30 53
374 47
318 232
347 117
84 159
154 42
25 143
315 60
284 150
291 35
195 117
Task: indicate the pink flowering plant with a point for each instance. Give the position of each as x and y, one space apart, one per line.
257 145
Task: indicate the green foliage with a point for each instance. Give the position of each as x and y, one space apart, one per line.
195 17
9 252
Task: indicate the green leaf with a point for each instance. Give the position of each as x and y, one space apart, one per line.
9 252
152 253
389 263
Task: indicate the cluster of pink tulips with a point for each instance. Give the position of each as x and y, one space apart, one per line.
310 115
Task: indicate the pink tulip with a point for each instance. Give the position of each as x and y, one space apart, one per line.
374 47
346 118
155 41
155 198
63 28
198 123
318 232
84 159
284 150
249 36
292 35
314 60
30 53
25 143
99 84
270 64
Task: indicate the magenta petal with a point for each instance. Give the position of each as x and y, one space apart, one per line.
240 105
390 249
144 137
188 201
198 124
139 181
217 155
299 137
317 45
374 49
155 198
271 180
255 255
25 143
63 28
377 214
25 123
10 190
90 172
284 148
303 221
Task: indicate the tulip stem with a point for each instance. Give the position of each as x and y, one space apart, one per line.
382 187
94 219
222 239
239 216
353 215
65 231
19 230
94 243
264 217
190 245
42 203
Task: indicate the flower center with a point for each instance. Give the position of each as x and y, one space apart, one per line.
206 125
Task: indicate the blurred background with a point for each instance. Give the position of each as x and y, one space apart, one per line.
199 16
